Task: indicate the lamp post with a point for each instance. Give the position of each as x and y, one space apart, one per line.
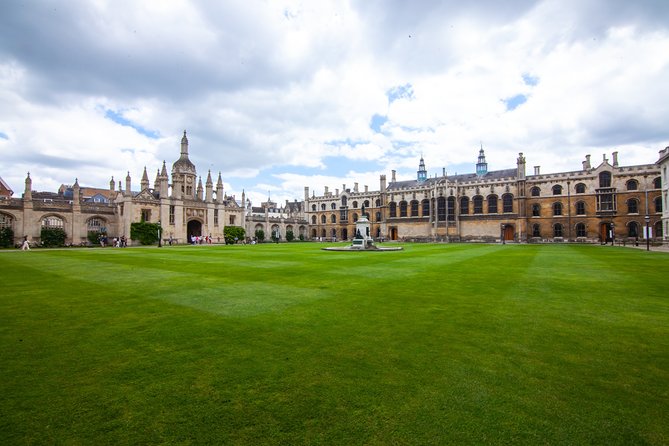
159 244
647 218
503 234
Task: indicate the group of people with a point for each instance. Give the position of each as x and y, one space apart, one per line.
120 242
201 239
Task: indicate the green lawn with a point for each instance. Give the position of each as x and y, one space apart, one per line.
289 344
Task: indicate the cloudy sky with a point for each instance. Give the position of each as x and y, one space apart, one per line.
278 95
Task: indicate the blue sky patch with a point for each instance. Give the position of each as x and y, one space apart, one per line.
4 136
118 118
400 92
377 122
530 80
513 102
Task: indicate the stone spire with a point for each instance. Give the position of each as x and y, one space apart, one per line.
209 194
145 180
128 189
156 182
199 188
164 182
112 184
28 192
219 189
184 145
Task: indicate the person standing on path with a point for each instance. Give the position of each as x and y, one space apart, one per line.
26 244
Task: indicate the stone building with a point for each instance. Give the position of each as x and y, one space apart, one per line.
663 164
183 207
276 221
593 204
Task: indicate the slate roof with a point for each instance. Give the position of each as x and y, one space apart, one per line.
492 175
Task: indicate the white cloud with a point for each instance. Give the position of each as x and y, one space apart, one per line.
280 95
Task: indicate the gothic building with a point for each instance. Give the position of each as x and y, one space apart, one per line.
183 206
595 203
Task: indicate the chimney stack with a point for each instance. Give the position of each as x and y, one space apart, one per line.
392 178
537 170
615 159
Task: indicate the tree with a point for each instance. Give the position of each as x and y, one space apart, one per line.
290 236
51 237
6 237
232 234
146 233
260 235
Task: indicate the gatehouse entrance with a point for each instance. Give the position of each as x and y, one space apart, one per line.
194 228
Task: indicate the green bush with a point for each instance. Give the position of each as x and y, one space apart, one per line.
51 237
146 233
290 236
6 237
232 234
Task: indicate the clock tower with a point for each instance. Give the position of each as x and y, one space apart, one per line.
184 174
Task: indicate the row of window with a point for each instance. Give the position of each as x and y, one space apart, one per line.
604 182
579 188
344 202
633 230
632 207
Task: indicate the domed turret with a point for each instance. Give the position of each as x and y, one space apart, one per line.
183 164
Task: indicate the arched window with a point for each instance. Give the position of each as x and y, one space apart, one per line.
557 208
322 206
492 204
633 229
632 185
313 233
52 222
6 221
333 218
313 219
333 206
378 202
632 206
557 190
323 219
605 179
451 209
536 230
344 200
657 183
378 216
580 208
535 191
355 204
507 203
536 210
464 205
393 209
658 205
96 225
580 230
557 230
580 188
366 203
414 208
334 233
478 204
403 208
441 209
323 233
426 207
313 207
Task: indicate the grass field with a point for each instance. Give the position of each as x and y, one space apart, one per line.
288 344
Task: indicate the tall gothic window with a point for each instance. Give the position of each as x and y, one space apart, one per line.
464 206
492 204
507 203
478 204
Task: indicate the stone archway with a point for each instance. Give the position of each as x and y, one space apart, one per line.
194 228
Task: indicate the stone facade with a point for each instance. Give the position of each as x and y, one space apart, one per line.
663 164
183 207
276 221
594 204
